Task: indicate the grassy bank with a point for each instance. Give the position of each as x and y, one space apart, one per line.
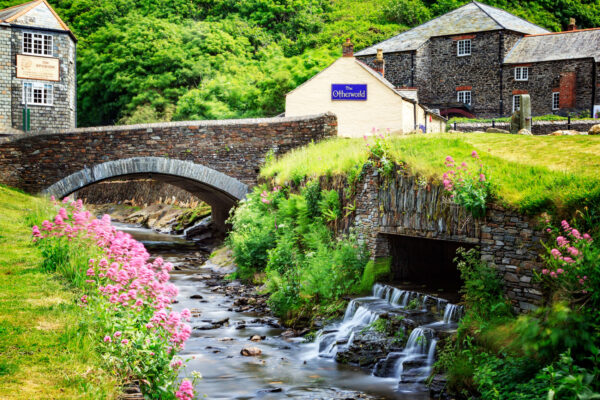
531 173
42 355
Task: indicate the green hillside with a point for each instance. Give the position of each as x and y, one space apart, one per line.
161 60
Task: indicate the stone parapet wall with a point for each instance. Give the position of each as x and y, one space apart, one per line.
507 240
538 127
237 148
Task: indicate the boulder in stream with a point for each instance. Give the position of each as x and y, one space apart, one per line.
251 351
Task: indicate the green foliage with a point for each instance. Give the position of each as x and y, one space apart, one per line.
286 237
375 271
482 288
407 12
158 60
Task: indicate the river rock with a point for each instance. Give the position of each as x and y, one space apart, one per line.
594 130
565 132
496 130
366 349
196 296
257 338
524 132
251 351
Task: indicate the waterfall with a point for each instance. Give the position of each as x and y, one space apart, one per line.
413 364
452 313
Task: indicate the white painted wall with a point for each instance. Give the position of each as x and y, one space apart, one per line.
384 109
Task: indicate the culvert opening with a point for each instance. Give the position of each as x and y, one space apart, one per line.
426 265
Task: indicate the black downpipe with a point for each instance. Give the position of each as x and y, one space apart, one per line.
594 85
500 61
412 69
415 115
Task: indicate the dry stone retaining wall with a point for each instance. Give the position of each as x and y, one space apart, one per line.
507 240
538 127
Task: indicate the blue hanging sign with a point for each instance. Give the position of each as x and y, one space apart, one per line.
348 91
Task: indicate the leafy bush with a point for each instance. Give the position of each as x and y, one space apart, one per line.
286 236
468 189
407 12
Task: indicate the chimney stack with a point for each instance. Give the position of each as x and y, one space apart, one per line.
379 63
572 25
348 48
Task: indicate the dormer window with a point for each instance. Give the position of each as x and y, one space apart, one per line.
463 47
37 44
521 73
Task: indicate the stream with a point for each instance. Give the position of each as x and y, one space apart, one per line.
287 367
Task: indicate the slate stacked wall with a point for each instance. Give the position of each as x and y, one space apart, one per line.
5 77
236 148
60 115
398 67
507 240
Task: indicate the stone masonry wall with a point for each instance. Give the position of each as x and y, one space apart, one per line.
538 127
5 77
61 114
507 240
398 67
544 79
478 72
234 147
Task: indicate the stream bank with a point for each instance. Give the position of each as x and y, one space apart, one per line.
229 317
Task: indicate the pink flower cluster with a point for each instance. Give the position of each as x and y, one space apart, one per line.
186 390
566 255
124 277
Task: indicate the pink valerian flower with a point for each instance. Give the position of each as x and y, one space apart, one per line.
587 237
186 390
84 299
175 364
481 178
562 241
107 339
117 334
553 274
124 342
474 154
264 197
545 271
555 253
573 251
560 271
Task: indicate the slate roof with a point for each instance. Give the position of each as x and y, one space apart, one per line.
566 45
472 17
9 15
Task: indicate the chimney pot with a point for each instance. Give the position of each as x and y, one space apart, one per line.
348 48
572 25
379 62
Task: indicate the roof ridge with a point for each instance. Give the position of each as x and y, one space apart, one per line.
17 5
488 14
415 27
511 14
560 32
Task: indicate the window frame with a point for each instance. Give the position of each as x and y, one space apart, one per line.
521 74
464 93
45 90
464 49
516 99
42 37
557 95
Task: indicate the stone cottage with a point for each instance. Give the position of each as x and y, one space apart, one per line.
362 99
475 60
37 69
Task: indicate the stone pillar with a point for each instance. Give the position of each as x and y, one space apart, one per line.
525 112
219 214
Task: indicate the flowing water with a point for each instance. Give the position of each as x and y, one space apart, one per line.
287 367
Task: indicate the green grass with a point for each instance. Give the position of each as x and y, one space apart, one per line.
531 173
43 353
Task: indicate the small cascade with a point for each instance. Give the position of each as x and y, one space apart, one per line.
452 313
412 365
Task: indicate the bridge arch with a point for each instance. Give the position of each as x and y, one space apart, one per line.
217 189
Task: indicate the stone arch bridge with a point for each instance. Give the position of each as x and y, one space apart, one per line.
215 160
